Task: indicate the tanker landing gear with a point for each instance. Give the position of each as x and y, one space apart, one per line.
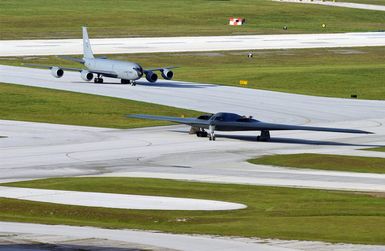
98 80
265 136
126 81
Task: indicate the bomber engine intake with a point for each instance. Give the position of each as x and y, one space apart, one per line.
86 75
57 72
167 74
151 77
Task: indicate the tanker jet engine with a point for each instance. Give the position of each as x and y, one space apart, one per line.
233 122
128 72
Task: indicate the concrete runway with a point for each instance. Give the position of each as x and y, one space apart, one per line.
32 150
338 4
183 44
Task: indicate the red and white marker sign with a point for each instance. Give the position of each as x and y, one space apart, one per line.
236 21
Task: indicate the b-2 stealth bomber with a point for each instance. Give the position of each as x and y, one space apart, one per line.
224 121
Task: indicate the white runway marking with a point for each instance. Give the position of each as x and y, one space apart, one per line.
183 44
112 200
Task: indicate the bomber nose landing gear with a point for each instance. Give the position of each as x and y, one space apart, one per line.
211 132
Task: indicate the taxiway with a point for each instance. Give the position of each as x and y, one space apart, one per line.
38 150
37 237
183 44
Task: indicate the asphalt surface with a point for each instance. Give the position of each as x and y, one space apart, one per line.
182 44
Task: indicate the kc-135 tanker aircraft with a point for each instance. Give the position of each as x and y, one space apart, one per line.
224 121
128 72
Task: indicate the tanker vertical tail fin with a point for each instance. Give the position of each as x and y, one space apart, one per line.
87 51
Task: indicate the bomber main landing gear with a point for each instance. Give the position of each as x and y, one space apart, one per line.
265 136
198 131
202 134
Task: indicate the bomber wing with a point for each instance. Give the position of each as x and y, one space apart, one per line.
275 127
186 121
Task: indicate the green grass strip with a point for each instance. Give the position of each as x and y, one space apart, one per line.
378 149
273 212
62 107
324 162
25 19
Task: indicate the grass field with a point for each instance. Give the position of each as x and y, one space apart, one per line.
323 72
325 162
285 213
62 107
379 149
24 19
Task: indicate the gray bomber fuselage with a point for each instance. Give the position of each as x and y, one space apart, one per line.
122 69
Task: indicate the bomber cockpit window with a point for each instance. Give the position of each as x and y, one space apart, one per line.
219 118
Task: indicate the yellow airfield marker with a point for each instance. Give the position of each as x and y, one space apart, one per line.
243 82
